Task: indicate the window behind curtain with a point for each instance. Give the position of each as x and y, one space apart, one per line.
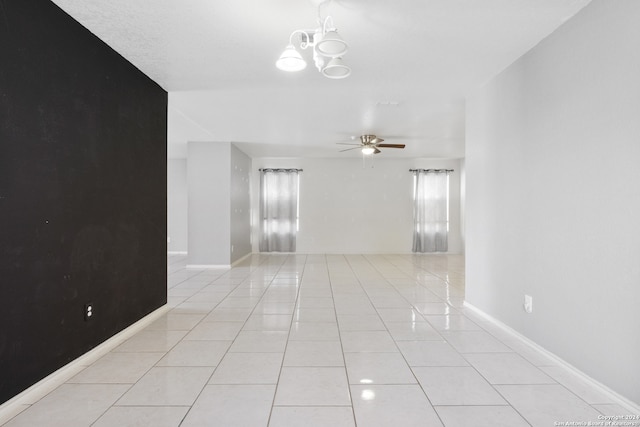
431 211
278 209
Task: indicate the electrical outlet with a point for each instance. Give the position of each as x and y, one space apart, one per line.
88 311
528 303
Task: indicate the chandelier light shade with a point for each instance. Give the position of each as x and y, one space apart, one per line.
291 60
336 69
328 50
331 45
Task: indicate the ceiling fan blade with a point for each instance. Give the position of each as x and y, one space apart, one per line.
349 149
376 151
348 143
376 140
390 145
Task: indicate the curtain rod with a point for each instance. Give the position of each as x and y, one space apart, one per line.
430 170
279 170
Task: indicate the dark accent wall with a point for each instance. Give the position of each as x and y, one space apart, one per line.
82 192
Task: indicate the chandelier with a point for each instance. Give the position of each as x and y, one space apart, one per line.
328 50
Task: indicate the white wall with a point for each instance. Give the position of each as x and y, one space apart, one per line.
240 207
209 181
220 178
553 194
345 208
177 217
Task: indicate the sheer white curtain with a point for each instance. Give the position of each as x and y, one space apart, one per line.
278 210
431 211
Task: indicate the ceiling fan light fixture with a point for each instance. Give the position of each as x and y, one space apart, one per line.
291 60
369 144
336 69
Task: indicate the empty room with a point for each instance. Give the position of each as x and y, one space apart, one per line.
319 213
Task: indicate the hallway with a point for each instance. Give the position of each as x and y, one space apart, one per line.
321 340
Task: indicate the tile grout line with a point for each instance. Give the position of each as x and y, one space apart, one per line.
183 339
284 352
399 350
344 359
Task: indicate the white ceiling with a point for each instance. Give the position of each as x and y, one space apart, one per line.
217 61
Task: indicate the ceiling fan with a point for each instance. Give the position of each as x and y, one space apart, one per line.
370 144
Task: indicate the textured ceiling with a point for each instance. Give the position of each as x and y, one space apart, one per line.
413 62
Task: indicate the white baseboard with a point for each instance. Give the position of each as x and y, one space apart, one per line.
18 403
177 253
238 261
207 266
611 394
217 266
362 253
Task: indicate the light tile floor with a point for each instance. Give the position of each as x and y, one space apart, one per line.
320 340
